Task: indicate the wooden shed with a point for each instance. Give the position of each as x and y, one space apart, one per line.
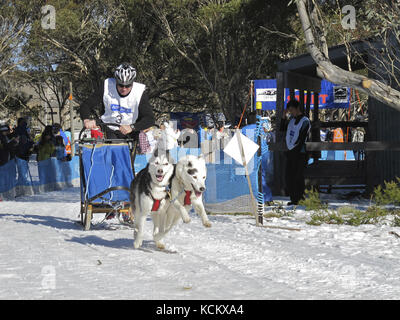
382 140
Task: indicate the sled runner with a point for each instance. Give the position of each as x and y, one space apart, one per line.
106 171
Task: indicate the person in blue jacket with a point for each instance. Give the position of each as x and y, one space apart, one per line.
57 131
250 131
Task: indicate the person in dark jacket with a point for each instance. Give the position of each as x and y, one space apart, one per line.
297 128
121 101
8 143
25 145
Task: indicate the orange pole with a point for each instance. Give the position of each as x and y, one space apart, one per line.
245 106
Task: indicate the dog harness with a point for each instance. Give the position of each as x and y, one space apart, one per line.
187 201
156 204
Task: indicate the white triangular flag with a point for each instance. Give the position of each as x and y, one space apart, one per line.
249 147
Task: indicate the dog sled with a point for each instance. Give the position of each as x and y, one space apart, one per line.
106 171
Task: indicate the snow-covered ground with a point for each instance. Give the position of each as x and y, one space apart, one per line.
45 254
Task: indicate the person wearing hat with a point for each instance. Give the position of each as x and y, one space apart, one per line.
121 101
8 143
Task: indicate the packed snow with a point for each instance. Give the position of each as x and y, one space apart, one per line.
45 254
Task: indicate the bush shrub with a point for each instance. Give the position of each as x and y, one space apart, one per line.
348 215
388 195
312 201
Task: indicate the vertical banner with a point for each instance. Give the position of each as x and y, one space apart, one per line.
265 94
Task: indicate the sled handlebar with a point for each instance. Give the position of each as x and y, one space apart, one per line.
102 125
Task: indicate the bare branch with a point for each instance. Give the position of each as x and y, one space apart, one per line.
329 71
281 34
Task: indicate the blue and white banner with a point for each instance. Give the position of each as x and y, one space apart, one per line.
187 120
331 95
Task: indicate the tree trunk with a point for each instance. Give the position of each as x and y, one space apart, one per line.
327 70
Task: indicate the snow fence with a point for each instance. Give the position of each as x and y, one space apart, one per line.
227 188
19 177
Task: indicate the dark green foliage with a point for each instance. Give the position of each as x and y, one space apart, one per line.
374 214
390 194
312 201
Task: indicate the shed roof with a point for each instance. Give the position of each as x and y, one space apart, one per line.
305 64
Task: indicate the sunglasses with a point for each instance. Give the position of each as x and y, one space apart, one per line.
124 86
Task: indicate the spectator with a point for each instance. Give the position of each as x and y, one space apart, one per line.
169 136
250 131
151 138
8 143
156 132
222 135
46 147
24 149
251 118
60 148
57 131
297 128
144 145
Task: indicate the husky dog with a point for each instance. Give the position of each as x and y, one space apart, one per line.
187 187
149 194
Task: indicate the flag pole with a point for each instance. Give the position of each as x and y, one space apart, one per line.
239 138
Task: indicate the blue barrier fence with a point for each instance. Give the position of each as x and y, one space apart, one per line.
226 179
19 177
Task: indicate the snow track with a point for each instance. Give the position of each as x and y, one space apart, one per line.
46 254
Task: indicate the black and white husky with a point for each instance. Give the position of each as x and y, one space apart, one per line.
187 187
149 195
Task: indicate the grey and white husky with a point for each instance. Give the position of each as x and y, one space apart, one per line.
149 195
187 187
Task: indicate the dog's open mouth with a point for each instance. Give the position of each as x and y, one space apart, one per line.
197 193
159 177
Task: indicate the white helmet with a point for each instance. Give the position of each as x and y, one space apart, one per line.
125 74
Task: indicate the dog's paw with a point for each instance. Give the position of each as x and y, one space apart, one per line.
207 224
160 245
186 219
137 244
